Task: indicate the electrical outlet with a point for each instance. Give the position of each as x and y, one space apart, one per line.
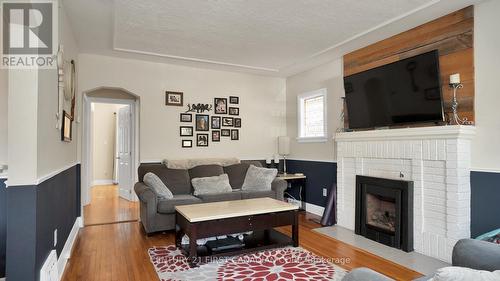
325 192
55 237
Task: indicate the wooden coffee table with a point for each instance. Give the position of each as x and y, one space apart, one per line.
259 215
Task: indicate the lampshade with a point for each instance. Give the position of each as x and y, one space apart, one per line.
284 145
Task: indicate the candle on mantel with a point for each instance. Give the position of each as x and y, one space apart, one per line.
455 78
268 161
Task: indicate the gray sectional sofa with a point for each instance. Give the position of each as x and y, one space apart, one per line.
469 253
159 214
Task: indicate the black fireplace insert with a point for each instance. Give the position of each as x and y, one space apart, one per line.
384 211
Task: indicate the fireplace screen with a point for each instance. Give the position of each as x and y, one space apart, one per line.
381 212
384 211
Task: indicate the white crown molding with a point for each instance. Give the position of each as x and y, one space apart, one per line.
436 132
196 60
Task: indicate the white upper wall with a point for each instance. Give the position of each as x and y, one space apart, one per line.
262 105
327 76
485 148
53 154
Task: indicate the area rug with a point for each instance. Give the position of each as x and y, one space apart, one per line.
269 265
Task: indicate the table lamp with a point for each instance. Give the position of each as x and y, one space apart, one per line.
284 149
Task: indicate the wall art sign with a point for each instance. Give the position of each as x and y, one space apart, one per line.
199 107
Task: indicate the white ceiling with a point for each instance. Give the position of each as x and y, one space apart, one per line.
273 37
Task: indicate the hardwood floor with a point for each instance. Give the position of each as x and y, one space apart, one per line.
119 252
106 206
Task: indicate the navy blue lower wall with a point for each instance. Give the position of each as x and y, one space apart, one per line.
3 225
485 199
319 175
34 212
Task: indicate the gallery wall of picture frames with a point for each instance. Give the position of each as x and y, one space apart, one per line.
199 125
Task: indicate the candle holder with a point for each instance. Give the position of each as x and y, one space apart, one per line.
454 105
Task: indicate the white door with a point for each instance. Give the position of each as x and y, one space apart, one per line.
124 152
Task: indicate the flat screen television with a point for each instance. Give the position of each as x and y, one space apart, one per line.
406 91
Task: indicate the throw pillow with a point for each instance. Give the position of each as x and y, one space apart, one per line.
211 185
259 178
158 186
454 273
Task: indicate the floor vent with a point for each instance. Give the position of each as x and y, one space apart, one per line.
49 268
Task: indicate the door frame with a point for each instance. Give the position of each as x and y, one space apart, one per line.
87 159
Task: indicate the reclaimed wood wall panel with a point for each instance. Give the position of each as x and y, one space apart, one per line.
452 35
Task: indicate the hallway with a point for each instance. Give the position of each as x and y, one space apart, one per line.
106 206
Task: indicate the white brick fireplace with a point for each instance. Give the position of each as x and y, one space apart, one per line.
436 159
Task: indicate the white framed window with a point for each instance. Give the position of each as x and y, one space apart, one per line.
312 116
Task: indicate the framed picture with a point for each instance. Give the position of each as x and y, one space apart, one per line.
220 106
186 117
186 131
202 122
235 135
215 122
234 111
174 98
187 143
66 128
227 121
201 139
237 122
225 132
215 136
234 100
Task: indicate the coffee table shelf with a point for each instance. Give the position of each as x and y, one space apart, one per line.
257 241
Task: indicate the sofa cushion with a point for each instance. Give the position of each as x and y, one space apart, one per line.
220 197
249 194
157 185
204 171
455 273
208 185
252 162
236 174
259 178
178 181
167 206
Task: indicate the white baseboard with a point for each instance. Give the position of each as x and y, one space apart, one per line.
315 209
2 279
310 208
102 182
68 246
